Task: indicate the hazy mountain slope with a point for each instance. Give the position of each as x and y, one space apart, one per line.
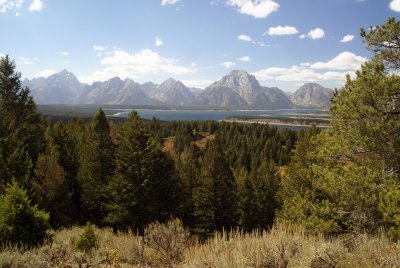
312 95
245 91
59 88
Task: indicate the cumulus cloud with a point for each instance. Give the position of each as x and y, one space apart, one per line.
44 73
64 53
302 36
347 38
245 38
6 5
255 8
158 42
344 61
316 33
332 70
245 59
395 5
36 5
282 30
124 64
169 2
228 64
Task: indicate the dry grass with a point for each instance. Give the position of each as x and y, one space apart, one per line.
282 246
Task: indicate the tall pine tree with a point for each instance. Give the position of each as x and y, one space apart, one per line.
143 188
97 165
216 198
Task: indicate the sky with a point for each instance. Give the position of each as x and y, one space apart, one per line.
284 43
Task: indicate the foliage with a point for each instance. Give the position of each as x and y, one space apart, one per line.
346 178
281 246
21 133
97 165
49 184
144 187
88 240
21 223
168 240
384 42
216 197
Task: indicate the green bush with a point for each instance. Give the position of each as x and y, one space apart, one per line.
87 240
21 223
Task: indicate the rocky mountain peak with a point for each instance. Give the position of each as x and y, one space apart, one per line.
238 79
172 83
312 95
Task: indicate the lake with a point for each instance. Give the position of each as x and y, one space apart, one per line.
201 115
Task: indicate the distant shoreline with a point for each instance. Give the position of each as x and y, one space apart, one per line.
264 122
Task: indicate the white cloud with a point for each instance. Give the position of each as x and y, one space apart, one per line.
197 83
158 42
282 30
64 53
245 38
316 33
344 61
98 48
302 36
6 5
36 5
228 64
44 73
169 2
245 59
347 38
124 64
26 61
395 5
255 8
332 70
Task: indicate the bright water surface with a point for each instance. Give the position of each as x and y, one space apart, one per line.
201 115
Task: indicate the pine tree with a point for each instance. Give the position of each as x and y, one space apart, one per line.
217 195
21 223
190 174
67 148
97 165
22 131
49 185
144 186
347 179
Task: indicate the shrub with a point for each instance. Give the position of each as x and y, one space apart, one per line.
21 223
87 240
168 241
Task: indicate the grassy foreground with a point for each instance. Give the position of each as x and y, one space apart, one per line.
170 245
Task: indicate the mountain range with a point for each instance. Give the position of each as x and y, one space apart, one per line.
238 89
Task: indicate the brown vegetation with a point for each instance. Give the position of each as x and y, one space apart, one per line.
169 245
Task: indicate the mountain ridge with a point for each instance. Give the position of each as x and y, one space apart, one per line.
238 89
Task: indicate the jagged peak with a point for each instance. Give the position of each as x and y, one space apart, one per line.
172 82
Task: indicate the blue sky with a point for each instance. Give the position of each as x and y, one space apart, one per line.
284 43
